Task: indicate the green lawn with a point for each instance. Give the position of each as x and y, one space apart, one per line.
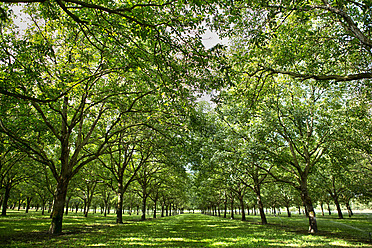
188 230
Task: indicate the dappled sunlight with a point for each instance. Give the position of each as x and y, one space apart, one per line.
230 227
131 239
188 230
219 244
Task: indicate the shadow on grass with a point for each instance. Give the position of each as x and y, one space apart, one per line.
298 225
177 231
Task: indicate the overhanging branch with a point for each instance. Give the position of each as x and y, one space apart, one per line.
337 78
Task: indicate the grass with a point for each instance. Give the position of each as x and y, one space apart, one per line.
187 230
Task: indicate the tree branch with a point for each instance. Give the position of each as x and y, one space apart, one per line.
337 78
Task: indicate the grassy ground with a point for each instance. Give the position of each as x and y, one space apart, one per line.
187 230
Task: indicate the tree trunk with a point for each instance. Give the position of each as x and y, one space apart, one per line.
143 217
257 190
85 205
321 207
106 202
225 208
58 207
242 207
155 209
67 203
329 209
337 203
43 203
350 212
119 207
313 227
87 208
5 200
50 207
232 207
19 204
288 212
306 211
162 209
28 203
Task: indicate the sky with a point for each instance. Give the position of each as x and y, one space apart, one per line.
210 39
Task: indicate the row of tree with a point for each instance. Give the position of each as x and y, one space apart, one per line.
296 106
151 186
103 90
95 92
308 142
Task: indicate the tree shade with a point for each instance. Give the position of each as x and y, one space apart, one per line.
98 106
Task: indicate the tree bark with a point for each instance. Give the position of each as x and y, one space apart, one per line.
242 207
329 209
155 209
225 209
119 207
350 212
43 203
313 227
58 208
19 204
143 217
288 212
337 203
28 203
257 190
5 200
106 203
67 203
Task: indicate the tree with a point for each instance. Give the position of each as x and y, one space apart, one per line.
129 152
74 84
294 124
304 125
66 120
12 173
356 137
86 187
43 187
147 179
318 40
334 174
